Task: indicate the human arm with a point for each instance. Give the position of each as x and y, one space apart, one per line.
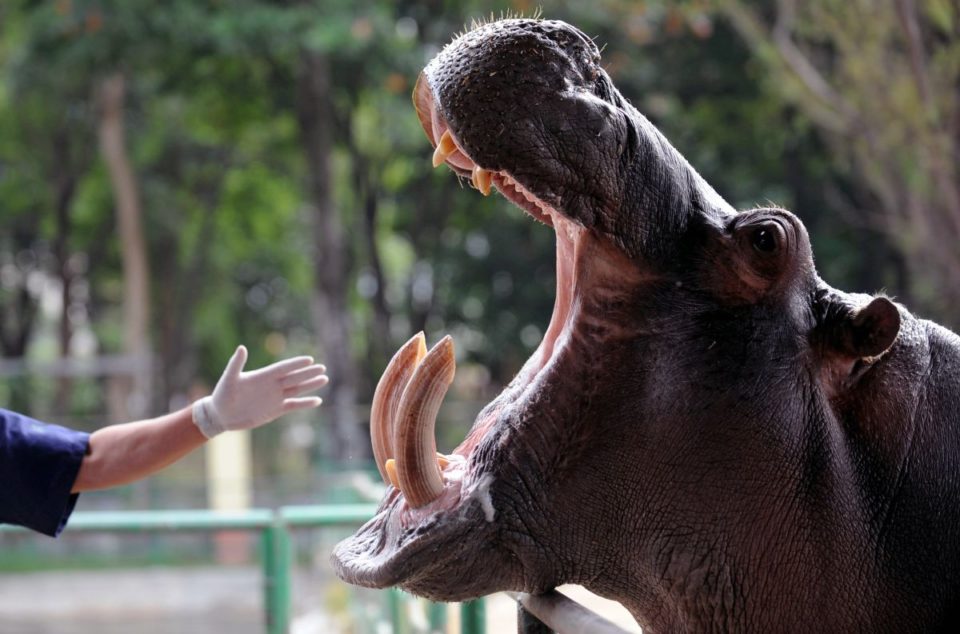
120 454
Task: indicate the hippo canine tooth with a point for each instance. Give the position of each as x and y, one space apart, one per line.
386 400
445 148
418 470
482 179
391 468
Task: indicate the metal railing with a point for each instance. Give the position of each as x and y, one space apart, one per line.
274 527
536 614
554 612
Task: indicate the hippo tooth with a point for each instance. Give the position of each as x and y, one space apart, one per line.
445 148
481 179
386 399
391 468
418 470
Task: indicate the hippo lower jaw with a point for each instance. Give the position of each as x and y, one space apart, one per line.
418 540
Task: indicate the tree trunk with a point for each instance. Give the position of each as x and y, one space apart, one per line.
127 396
380 345
18 322
330 310
183 286
18 314
64 181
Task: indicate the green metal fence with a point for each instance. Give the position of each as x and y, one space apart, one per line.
274 527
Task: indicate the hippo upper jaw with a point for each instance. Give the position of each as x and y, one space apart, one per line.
556 138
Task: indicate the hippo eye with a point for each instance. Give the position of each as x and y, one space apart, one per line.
766 239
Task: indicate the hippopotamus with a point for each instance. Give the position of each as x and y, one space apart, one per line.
708 433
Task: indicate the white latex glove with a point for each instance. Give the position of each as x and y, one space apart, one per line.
244 400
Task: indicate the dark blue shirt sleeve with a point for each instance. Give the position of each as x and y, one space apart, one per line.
39 463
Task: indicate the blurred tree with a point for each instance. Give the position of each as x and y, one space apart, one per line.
128 396
46 152
879 80
330 302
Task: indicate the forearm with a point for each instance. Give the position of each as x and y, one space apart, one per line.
121 454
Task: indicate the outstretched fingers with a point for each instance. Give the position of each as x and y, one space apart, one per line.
294 404
299 376
307 386
281 368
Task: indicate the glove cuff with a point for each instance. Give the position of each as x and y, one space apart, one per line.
204 419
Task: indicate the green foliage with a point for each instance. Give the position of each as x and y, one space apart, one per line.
878 81
212 128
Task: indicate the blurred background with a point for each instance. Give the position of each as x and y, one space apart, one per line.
177 178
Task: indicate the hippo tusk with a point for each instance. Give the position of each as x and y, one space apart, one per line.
418 471
445 147
481 179
386 400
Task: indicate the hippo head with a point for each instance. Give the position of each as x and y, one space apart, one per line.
689 436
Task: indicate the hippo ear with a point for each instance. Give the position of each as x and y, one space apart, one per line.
867 332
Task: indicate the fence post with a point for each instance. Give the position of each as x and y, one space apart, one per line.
437 617
472 617
277 559
395 607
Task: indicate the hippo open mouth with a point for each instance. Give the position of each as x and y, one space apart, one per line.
438 508
523 106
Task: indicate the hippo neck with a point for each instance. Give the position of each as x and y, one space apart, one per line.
758 517
806 538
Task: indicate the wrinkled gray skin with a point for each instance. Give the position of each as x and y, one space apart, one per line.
723 442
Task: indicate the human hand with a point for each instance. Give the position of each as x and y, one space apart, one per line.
244 400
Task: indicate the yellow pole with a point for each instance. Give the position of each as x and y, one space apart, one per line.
230 488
